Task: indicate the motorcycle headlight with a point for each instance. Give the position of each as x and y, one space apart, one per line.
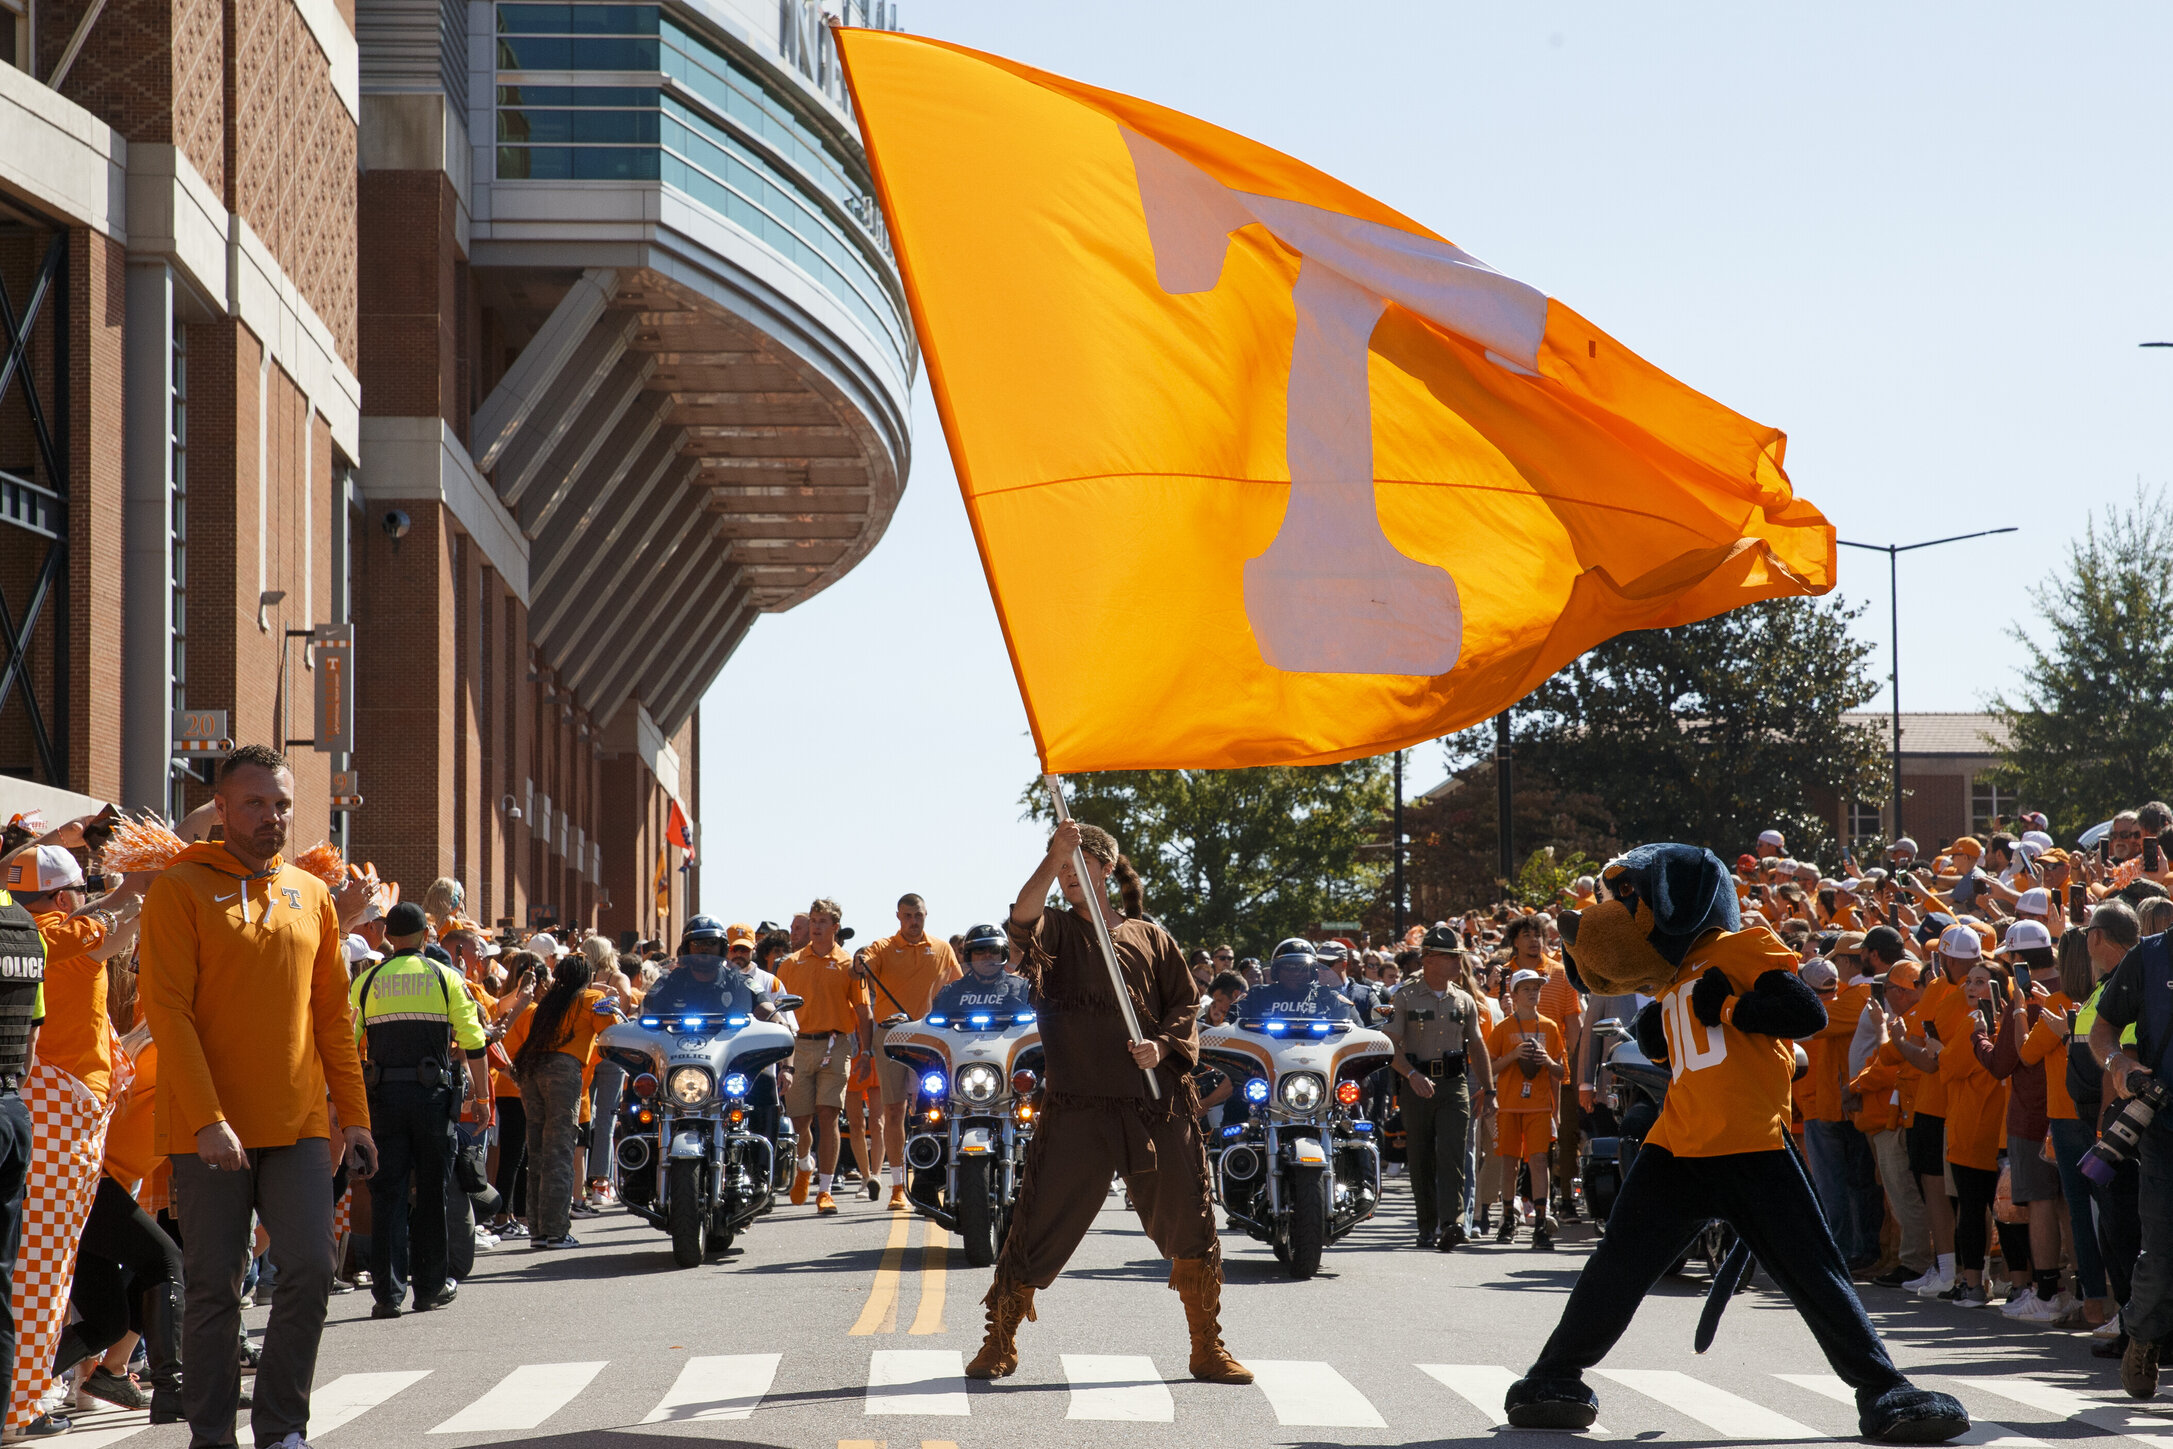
978 1081
689 1086
1302 1091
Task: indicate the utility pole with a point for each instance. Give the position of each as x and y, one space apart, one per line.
1398 827
1506 789
1893 554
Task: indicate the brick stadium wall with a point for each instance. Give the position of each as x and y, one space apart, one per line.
404 659
97 303
409 277
151 69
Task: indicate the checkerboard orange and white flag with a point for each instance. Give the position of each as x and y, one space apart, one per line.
1263 471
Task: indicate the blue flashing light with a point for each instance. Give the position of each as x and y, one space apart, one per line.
735 1021
652 1022
691 1023
939 1021
1256 1090
932 1084
1277 1028
1319 1028
1235 1129
980 1018
1361 1126
735 1084
1024 1018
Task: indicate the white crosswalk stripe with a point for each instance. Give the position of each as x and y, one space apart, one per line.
1485 1387
1307 1393
1728 1415
1980 1431
350 1396
2052 1399
1117 1386
524 1398
917 1381
719 1386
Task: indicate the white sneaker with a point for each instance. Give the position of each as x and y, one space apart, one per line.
485 1239
2029 1308
294 1440
2065 1302
2109 1329
1916 1284
1932 1284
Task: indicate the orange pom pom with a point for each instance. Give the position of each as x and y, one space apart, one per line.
324 861
140 845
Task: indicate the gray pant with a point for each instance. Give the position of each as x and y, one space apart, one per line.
606 1083
551 1096
1905 1195
290 1189
1434 1133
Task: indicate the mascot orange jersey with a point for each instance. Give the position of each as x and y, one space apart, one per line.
1730 1089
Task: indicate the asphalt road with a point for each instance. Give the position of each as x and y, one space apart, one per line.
852 1331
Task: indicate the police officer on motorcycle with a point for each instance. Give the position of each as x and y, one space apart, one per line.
1294 988
706 982
412 1013
986 986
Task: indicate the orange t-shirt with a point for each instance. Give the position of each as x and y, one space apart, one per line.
1934 1010
1519 1089
129 1154
910 971
576 1034
1829 1052
1976 1100
829 992
76 1036
1731 1089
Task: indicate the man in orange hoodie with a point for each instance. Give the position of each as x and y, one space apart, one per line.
244 984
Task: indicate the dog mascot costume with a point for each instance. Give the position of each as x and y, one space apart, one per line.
1728 1008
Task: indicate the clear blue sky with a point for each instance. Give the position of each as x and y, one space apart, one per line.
1924 240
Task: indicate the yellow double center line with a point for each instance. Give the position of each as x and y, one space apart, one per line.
880 1313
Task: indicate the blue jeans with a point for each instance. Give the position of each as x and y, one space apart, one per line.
1840 1160
2070 1140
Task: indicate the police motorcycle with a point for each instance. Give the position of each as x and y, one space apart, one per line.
1626 1103
1302 1167
689 1159
980 1067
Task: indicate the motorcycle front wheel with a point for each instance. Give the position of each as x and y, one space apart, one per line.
976 1214
684 1216
1311 1188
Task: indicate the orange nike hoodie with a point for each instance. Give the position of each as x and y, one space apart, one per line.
243 980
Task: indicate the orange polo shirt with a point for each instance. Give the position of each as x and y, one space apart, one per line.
912 972
828 990
244 984
76 1036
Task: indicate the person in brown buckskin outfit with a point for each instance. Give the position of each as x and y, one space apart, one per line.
1096 1117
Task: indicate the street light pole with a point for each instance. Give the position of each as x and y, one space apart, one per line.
1893 552
1398 826
1505 790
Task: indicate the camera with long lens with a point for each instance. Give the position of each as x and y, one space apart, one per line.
2124 1134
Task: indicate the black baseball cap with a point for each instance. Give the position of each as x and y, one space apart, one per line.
1885 943
406 919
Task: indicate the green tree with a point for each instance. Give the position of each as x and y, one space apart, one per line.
1709 732
1244 856
2090 731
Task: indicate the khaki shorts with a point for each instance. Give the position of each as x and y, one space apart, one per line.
897 1080
817 1085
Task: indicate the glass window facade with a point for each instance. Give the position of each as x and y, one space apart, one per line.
578 132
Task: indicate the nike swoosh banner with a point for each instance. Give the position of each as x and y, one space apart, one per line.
1261 470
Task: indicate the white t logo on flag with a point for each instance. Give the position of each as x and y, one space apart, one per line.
1332 595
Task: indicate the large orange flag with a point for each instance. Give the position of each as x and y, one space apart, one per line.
1261 470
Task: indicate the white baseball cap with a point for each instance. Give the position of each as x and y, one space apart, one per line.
359 952
2037 838
2036 901
546 945
35 870
1771 837
2026 936
1523 976
1960 943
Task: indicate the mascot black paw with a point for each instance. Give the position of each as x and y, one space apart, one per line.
1551 1404
1906 1414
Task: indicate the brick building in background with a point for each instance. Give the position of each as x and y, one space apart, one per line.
546 345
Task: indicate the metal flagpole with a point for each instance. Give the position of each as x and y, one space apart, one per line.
1094 910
